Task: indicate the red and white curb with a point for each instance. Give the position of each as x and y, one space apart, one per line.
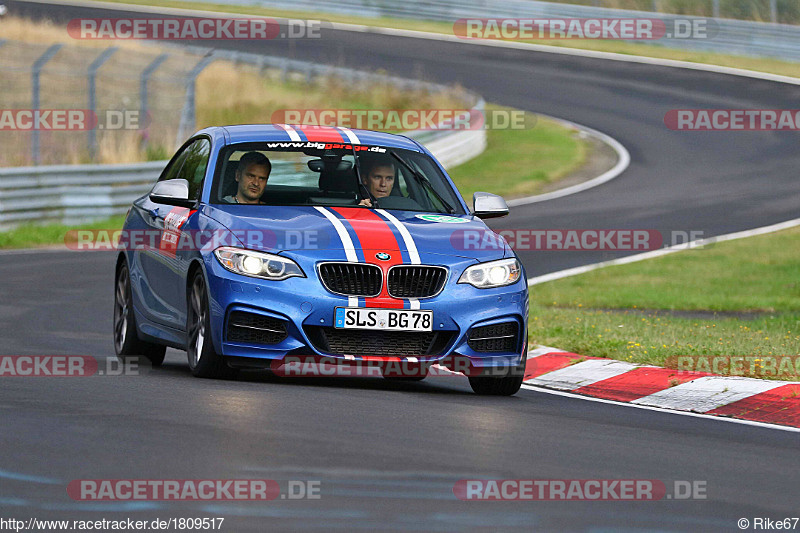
756 400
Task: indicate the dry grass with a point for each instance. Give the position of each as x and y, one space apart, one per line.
47 32
227 93
247 96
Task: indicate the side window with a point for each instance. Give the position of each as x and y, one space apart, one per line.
194 166
174 166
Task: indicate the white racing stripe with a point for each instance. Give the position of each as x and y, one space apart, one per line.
347 243
293 135
350 135
413 253
411 246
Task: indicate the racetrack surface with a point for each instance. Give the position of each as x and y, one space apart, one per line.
388 454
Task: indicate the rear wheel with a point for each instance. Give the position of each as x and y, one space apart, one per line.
126 342
507 385
204 361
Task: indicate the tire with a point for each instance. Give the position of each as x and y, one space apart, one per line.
127 344
501 386
204 361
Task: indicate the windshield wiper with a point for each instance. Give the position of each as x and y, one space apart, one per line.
424 181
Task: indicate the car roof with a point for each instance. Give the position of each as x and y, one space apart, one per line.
283 132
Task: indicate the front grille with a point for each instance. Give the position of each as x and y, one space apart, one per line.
416 281
385 343
494 338
352 279
255 329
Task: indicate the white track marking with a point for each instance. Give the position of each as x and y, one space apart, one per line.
581 374
660 409
623 162
706 393
663 251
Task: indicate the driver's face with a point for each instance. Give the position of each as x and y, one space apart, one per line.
252 182
380 181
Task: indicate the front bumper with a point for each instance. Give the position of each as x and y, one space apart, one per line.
303 304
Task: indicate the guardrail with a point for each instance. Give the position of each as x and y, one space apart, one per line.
739 37
73 194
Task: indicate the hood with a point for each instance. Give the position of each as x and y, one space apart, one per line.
331 232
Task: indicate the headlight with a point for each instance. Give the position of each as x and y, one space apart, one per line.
492 274
257 264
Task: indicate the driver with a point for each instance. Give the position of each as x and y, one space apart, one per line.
251 175
378 176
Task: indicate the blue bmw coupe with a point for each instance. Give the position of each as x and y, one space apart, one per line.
260 243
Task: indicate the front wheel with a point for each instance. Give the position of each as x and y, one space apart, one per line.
503 385
126 342
204 361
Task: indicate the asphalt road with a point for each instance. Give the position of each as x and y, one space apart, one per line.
386 454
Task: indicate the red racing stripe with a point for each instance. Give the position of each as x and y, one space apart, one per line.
322 134
375 235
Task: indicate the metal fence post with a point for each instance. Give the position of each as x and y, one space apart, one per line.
188 112
36 71
93 68
143 96
773 11
715 8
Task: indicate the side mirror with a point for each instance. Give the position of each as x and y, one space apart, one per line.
172 192
487 205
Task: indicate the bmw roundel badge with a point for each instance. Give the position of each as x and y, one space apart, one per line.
383 256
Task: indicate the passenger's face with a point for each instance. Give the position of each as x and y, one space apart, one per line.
252 182
380 181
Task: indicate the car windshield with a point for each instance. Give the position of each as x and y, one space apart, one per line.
332 175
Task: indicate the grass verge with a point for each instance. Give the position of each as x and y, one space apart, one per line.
520 162
738 298
32 236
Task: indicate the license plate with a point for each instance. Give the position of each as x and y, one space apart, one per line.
384 319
